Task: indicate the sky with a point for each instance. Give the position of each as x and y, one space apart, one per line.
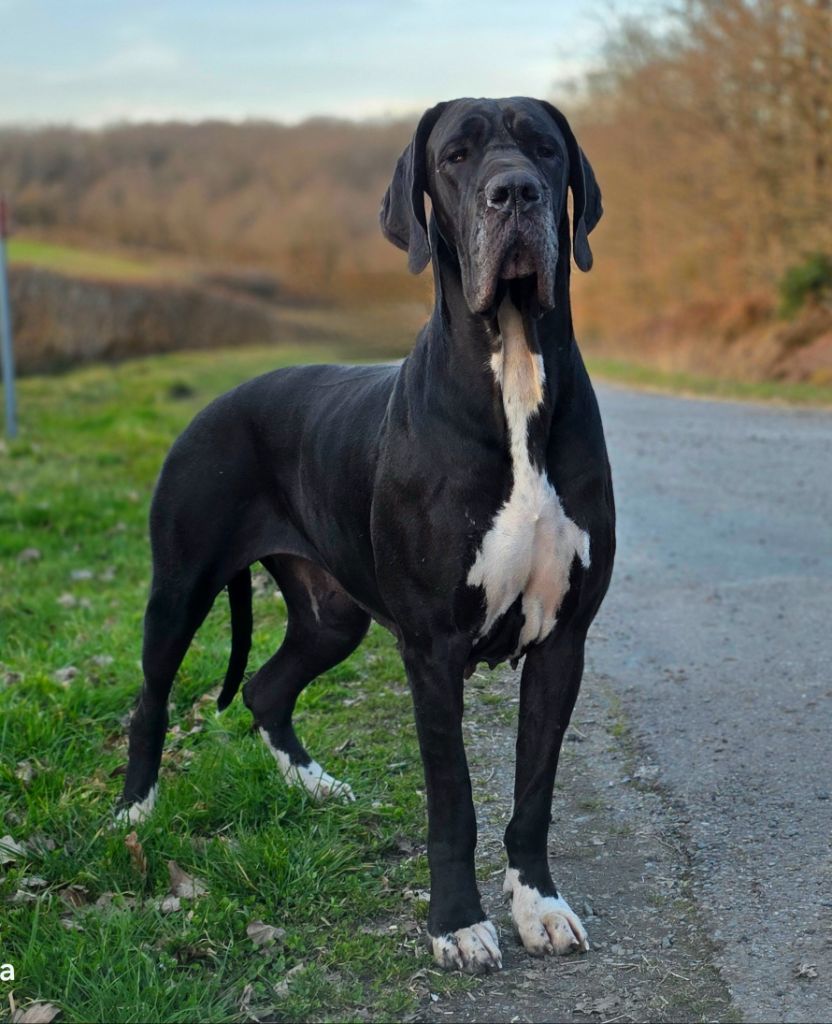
92 62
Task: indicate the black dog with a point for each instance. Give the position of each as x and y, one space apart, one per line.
462 499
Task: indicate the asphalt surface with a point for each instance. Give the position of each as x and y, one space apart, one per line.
717 637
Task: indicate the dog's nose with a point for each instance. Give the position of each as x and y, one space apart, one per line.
511 190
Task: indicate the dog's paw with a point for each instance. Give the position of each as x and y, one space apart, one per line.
474 950
320 785
545 924
137 812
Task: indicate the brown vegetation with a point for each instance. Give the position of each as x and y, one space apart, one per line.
712 141
714 146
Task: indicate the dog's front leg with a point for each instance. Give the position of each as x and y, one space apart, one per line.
548 690
461 936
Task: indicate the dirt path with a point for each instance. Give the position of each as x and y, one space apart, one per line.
618 855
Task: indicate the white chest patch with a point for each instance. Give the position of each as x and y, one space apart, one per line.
532 543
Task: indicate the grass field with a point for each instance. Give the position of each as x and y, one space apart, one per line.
81 262
80 922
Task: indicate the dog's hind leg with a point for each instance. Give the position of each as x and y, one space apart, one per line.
171 619
325 625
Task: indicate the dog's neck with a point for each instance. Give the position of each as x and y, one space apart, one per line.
461 354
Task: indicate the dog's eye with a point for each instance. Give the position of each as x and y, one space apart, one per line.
457 156
547 152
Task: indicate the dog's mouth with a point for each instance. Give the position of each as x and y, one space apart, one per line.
524 258
517 262
523 292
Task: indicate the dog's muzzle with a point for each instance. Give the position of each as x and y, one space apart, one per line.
513 236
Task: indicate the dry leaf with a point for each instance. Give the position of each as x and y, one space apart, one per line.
281 989
245 998
137 855
25 772
29 555
807 971
36 1013
184 885
262 934
10 850
190 952
23 896
169 905
33 882
75 895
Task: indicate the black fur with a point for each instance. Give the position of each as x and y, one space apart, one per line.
367 490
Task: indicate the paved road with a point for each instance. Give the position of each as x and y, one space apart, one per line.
717 635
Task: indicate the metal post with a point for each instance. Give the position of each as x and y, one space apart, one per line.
6 347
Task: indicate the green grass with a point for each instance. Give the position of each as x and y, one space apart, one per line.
76 486
648 378
80 262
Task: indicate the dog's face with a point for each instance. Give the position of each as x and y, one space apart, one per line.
497 173
497 177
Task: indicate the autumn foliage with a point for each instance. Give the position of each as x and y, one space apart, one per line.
709 127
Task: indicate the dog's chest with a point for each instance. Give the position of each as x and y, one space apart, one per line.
529 548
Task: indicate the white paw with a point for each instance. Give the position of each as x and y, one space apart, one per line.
319 784
140 811
474 950
545 924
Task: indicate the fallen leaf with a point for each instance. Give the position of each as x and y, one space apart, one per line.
807 971
65 675
184 885
29 555
22 896
190 952
10 851
137 855
281 989
262 934
70 925
75 896
33 882
67 600
245 998
102 660
104 901
36 1013
25 772
41 843
169 905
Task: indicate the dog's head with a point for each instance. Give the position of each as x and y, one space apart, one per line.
497 173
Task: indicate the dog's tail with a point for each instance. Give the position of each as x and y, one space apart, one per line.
239 598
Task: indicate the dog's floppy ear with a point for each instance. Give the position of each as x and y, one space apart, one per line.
402 213
586 195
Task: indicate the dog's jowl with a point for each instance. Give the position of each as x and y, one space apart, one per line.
462 499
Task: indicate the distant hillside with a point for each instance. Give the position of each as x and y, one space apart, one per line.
302 201
708 129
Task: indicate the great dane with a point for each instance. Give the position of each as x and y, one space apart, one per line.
462 499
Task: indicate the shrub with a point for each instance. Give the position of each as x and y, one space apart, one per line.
809 281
